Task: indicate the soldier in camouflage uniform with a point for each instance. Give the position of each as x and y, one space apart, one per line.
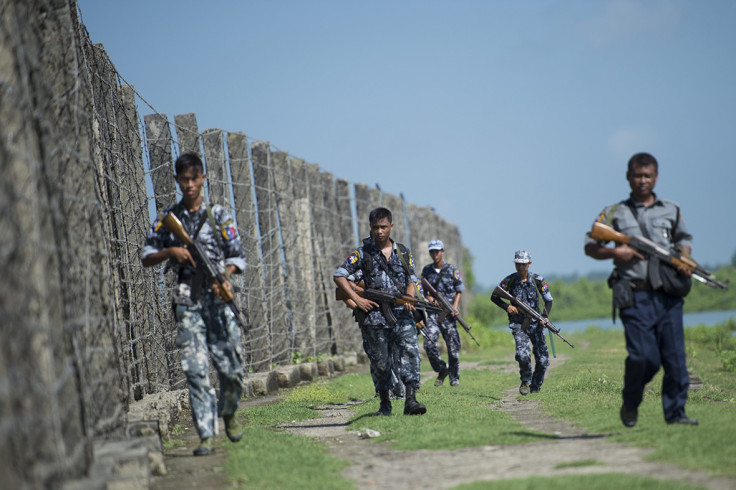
204 321
445 278
525 285
397 387
389 267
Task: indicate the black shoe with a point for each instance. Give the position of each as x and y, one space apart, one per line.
454 382
385 408
524 388
534 389
628 416
684 421
233 429
441 376
206 447
411 405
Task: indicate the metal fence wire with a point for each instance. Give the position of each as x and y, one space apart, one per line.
84 328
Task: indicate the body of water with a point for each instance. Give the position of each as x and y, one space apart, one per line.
690 319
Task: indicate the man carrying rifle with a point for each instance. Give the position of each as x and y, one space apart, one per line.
388 267
652 318
527 287
205 323
445 278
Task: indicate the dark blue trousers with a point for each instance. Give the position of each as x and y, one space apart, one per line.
654 338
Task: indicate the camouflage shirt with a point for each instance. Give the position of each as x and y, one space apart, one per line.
222 246
368 259
525 291
447 281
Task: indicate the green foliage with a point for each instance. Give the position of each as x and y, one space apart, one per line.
467 268
586 298
705 298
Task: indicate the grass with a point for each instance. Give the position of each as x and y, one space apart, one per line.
602 481
586 389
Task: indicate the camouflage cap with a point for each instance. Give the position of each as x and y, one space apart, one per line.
436 245
522 257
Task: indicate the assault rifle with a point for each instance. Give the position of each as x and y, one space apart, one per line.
387 300
172 223
529 311
673 258
447 307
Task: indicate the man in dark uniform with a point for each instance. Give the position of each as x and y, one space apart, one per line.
205 323
445 278
387 266
652 318
525 285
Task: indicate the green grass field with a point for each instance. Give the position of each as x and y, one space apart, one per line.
586 389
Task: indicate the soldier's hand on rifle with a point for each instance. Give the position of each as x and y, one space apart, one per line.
512 310
181 254
226 284
365 304
624 253
684 256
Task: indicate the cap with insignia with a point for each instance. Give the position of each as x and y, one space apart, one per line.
522 257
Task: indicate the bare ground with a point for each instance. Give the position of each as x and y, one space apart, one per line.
376 465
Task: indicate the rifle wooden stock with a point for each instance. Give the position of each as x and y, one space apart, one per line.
172 223
382 296
642 244
447 307
529 311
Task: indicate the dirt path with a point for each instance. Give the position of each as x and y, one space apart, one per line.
376 465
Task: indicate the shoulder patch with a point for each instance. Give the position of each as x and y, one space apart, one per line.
228 231
545 289
354 257
457 274
157 225
411 261
504 285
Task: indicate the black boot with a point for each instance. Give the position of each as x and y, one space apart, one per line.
411 405
385 408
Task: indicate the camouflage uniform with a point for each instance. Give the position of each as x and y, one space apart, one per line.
381 340
527 292
448 283
204 322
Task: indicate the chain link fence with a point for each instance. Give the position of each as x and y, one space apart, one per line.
85 328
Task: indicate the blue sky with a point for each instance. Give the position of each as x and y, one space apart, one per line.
514 120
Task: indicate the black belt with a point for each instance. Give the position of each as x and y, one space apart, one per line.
640 285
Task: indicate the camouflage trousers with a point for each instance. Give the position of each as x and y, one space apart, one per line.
393 347
397 386
523 354
210 327
448 330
